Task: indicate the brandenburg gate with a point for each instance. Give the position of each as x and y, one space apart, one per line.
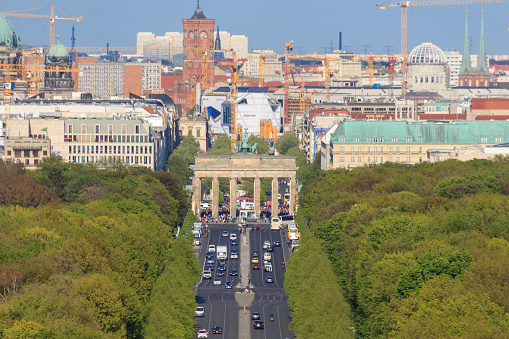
244 165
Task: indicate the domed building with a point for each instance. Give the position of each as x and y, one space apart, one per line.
57 78
427 69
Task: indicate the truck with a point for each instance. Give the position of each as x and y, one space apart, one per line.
222 252
197 226
196 237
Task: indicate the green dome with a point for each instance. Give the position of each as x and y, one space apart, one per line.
58 50
8 37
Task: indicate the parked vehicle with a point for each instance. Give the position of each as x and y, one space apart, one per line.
222 252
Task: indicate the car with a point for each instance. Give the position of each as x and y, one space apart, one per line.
228 284
219 273
207 274
233 236
257 324
255 254
200 311
255 227
234 254
203 334
277 243
217 281
226 233
255 316
233 272
256 266
265 244
269 279
209 267
210 261
209 255
233 242
254 260
270 248
212 248
221 262
217 330
267 256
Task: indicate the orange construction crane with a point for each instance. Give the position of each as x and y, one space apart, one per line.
403 5
288 49
51 17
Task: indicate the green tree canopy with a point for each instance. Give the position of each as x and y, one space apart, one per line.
285 143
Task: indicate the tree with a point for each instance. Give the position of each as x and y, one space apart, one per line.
221 146
262 147
286 142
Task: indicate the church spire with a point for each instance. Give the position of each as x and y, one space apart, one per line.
217 44
198 14
481 59
465 61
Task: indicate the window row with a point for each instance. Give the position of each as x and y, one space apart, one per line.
107 138
97 129
110 149
26 154
376 150
128 160
376 159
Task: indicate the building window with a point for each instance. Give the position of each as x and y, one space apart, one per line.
341 150
375 159
390 150
369 140
484 140
381 150
397 150
356 140
137 129
394 140
198 133
70 129
397 159
375 150
381 140
369 150
498 139
341 159
408 159
390 159
359 150
409 150
342 139
408 140
359 159
352 150
369 159
352 159
97 129
420 140
110 129
375 139
190 132
123 129
420 150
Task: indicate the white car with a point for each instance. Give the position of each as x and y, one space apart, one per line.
233 236
203 334
267 256
200 311
266 244
217 281
212 248
207 274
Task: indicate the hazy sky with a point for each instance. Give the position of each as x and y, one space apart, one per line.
312 25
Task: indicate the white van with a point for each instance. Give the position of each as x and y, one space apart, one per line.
267 256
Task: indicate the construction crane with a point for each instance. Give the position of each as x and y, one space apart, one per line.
403 5
51 17
288 49
236 129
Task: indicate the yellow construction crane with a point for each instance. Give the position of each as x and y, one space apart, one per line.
236 129
51 17
404 4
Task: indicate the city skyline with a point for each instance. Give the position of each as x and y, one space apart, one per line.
313 27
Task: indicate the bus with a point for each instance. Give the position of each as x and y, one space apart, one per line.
286 219
275 223
293 233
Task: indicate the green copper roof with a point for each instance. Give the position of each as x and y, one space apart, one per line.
481 59
8 35
58 50
431 133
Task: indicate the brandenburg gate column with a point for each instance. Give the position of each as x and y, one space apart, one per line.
275 201
233 197
293 195
215 197
257 185
196 196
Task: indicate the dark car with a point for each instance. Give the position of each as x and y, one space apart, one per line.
221 262
220 273
228 285
277 243
255 316
209 267
258 324
209 255
256 266
233 242
233 272
269 279
210 260
255 227
217 330
256 254
221 268
270 248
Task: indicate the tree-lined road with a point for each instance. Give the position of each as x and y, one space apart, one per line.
221 307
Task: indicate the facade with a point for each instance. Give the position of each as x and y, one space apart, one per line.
359 143
27 150
198 128
270 63
58 79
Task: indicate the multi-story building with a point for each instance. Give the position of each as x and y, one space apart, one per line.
271 65
359 143
198 128
27 150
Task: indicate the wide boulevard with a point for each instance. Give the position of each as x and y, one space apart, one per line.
232 308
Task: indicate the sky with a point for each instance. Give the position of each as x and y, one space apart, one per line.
312 25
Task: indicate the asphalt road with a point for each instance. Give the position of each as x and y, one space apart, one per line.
221 307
